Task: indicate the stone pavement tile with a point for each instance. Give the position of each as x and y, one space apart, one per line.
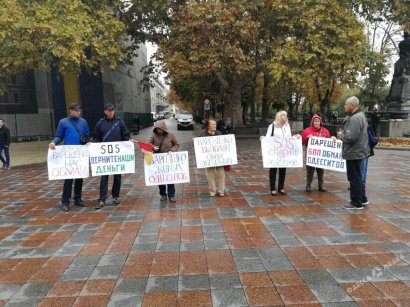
162 284
32 290
228 297
262 296
401 272
194 283
107 260
333 262
66 288
361 261
340 304
85 261
106 272
23 303
194 298
363 291
225 281
160 299
261 279
220 262
57 301
130 286
359 274
125 300
95 301
394 289
192 263
296 295
98 287
7 291
324 287
77 273
288 278
47 274
165 264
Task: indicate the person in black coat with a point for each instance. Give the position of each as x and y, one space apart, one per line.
110 129
4 144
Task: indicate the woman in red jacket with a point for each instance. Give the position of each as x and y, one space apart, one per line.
316 129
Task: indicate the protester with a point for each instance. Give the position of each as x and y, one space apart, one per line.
224 125
215 175
73 130
279 128
316 129
110 128
164 141
4 144
355 149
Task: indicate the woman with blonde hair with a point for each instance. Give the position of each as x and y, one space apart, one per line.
279 128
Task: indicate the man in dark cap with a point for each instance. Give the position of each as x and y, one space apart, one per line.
110 128
73 130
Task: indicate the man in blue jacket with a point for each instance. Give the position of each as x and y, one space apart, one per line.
73 130
110 128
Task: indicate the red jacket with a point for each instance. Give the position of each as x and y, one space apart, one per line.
321 132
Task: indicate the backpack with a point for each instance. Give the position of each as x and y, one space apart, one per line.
372 138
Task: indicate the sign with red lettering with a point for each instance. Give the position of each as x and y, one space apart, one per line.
282 152
68 162
167 168
325 153
214 151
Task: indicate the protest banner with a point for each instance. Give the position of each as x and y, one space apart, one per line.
109 158
68 162
167 168
282 152
214 151
325 153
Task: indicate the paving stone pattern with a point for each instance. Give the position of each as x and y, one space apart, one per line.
245 249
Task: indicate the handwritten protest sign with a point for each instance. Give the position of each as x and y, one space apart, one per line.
112 158
167 168
68 162
325 153
214 151
282 152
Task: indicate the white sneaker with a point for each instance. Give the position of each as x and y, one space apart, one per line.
366 203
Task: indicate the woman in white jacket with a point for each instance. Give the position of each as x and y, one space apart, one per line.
279 128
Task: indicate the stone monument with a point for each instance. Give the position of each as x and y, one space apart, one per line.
398 100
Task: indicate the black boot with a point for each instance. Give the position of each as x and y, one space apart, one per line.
308 188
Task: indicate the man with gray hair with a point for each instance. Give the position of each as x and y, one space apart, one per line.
355 149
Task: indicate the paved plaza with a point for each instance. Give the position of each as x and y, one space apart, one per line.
245 249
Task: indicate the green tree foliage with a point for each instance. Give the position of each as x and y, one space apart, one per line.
64 33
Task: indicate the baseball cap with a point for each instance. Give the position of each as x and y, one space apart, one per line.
109 106
75 106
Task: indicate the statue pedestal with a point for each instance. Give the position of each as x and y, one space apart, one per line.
394 127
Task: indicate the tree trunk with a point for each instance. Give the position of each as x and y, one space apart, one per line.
253 105
265 104
234 106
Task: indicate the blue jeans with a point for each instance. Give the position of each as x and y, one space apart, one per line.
68 187
163 190
363 171
116 186
6 154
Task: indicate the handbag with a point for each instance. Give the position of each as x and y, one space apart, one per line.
84 139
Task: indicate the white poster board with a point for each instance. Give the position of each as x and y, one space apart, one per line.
110 158
282 152
214 151
68 162
166 168
325 153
